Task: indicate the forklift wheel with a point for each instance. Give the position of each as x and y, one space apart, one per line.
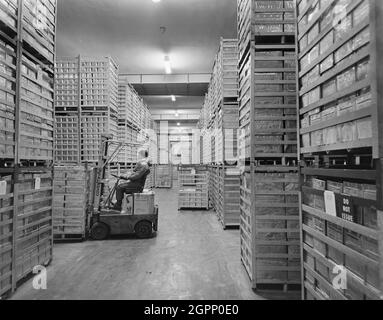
143 229
99 231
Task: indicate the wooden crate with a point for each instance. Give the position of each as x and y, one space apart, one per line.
27 52
228 196
220 110
263 18
7 98
268 144
8 13
67 84
71 190
268 120
36 111
84 117
340 76
34 239
93 125
270 236
39 28
67 139
194 183
163 176
7 211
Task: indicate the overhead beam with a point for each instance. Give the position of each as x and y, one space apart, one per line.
186 78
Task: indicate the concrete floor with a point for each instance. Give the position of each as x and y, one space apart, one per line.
191 258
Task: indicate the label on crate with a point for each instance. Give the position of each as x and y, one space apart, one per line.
330 203
346 208
37 183
3 188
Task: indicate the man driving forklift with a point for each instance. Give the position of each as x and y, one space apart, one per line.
135 181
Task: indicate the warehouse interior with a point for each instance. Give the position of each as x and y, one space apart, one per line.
191 150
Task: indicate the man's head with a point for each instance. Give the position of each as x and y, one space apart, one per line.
144 156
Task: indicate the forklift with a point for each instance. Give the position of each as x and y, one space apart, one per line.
104 221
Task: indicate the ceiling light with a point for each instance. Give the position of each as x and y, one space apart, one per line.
168 67
178 124
173 98
155 1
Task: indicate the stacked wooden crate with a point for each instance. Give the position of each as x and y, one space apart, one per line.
213 186
194 183
86 106
70 202
219 124
269 188
27 38
164 176
135 124
340 75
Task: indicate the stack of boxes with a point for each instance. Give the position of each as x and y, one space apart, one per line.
269 188
86 106
194 184
340 75
27 49
135 124
70 202
219 121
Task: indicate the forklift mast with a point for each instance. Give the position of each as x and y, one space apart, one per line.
107 155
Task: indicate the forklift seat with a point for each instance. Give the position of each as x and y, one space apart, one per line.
139 191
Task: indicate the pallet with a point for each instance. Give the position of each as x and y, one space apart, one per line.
69 237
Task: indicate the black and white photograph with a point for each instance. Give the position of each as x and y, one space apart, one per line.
194 156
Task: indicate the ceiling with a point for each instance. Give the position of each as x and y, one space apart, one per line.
130 31
182 102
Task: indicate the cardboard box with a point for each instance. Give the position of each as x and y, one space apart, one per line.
314 95
362 38
362 70
326 42
346 79
361 13
305 122
370 218
318 184
330 136
347 132
315 116
329 88
353 189
344 51
364 128
326 64
346 105
343 29
316 138
364 99
336 187
329 112
335 232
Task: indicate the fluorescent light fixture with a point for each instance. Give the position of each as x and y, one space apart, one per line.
168 67
156 1
173 98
